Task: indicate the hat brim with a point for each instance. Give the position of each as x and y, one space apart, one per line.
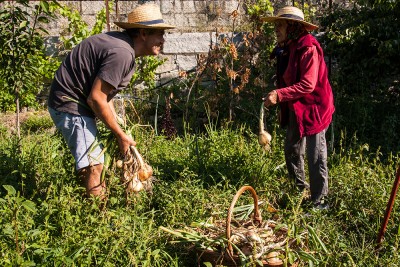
309 26
127 25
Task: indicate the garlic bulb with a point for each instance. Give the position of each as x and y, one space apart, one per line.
134 185
120 163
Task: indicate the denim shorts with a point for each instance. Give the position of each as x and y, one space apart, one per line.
80 133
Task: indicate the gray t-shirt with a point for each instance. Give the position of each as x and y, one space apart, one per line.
109 56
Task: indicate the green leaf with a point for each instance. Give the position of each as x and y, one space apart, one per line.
316 238
292 257
45 6
207 264
29 205
155 252
78 252
23 24
10 190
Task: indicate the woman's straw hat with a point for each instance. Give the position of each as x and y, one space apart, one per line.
147 16
291 13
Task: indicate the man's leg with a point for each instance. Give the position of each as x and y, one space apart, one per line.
80 133
91 177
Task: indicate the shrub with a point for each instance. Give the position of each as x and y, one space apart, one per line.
37 123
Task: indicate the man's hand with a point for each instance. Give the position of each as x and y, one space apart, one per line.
124 143
271 99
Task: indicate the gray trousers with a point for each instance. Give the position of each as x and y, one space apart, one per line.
295 148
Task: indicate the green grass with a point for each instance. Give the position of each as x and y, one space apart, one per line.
46 221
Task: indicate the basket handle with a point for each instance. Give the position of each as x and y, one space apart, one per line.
257 214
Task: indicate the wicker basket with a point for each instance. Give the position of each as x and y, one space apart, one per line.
228 257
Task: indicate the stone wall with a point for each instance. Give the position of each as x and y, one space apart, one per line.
196 20
187 15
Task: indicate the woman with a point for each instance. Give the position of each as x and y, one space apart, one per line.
305 99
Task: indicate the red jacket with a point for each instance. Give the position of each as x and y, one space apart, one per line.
307 90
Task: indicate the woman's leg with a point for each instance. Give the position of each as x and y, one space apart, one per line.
294 153
317 166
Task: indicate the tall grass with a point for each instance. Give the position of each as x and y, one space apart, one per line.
47 221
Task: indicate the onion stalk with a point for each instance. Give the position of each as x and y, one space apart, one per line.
264 138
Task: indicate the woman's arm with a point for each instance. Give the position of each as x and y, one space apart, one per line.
309 67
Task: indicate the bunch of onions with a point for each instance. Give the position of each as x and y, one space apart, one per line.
136 173
264 138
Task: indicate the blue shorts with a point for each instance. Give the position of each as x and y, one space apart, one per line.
79 132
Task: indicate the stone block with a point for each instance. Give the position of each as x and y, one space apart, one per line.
188 7
185 62
168 66
187 43
167 7
92 7
90 20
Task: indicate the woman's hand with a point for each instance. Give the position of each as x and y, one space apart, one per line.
271 99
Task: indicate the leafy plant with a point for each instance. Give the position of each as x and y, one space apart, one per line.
36 123
231 78
77 29
365 44
17 224
22 54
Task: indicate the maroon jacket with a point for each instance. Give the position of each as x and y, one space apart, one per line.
307 89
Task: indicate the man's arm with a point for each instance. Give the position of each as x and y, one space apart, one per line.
98 102
118 118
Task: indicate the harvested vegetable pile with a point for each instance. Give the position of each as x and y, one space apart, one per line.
235 242
136 173
264 243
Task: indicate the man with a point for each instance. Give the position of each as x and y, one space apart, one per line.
305 98
90 76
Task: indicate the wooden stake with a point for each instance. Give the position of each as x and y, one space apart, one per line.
389 208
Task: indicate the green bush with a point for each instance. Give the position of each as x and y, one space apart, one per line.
3 130
22 54
364 42
37 123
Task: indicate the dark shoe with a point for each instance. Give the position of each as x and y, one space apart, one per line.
316 208
323 205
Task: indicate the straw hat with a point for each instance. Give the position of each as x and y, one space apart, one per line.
291 13
147 16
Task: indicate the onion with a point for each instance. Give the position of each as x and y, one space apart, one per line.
253 237
136 173
273 260
134 185
145 172
120 163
